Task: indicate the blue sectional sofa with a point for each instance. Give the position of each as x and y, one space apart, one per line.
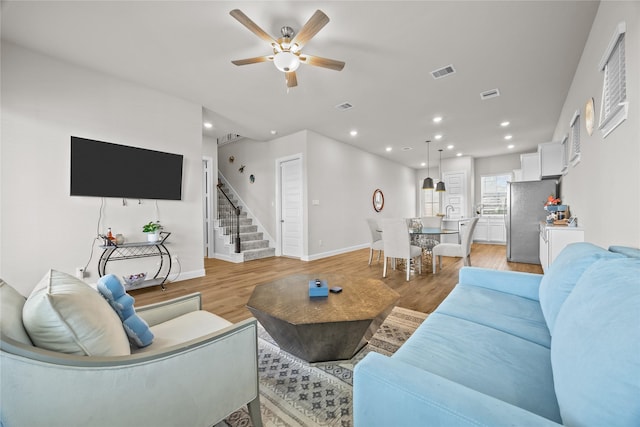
518 349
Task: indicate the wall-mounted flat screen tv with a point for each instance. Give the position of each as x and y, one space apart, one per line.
104 169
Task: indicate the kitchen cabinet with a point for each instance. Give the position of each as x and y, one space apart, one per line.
553 239
530 166
551 156
490 229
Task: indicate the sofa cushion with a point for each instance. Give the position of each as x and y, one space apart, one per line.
563 274
112 289
11 303
626 251
596 347
505 312
65 314
187 327
484 359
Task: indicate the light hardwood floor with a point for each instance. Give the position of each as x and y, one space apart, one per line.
227 286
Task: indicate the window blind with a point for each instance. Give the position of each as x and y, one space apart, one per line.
614 107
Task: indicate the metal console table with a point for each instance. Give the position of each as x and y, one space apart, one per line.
114 252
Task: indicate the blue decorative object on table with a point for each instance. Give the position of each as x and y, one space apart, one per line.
318 288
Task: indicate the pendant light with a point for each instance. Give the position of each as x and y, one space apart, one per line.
440 187
427 184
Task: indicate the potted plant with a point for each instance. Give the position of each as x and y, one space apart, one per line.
153 231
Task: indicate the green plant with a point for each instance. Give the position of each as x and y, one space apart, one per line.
152 227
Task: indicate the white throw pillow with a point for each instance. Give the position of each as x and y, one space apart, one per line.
65 314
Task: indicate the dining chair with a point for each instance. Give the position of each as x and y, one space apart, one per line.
397 244
376 239
460 250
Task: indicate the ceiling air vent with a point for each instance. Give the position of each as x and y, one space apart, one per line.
228 138
344 106
493 93
442 72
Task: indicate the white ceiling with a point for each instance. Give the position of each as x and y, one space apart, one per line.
529 50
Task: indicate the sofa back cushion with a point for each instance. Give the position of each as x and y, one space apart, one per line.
626 251
11 303
596 346
65 314
563 274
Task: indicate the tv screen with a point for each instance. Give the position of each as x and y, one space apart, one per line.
103 169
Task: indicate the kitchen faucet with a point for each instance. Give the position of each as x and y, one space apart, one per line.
447 210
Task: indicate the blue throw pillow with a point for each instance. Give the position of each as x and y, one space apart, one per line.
136 328
596 346
138 331
564 273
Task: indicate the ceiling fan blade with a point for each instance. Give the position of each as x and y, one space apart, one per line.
252 26
292 80
322 62
255 60
311 28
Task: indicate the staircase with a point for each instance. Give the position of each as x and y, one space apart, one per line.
252 242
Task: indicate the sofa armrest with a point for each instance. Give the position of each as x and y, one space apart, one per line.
389 392
526 285
197 383
160 312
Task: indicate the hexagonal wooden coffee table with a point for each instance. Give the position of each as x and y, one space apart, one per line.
326 328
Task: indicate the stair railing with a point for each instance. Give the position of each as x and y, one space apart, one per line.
230 214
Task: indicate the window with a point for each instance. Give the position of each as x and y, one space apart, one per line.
431 205
614 107
574 138
493 194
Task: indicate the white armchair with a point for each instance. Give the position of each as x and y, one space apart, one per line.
199 369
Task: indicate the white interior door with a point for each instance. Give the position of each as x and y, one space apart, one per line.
291 207
207 207
456 194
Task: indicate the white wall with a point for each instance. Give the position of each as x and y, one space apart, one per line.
341 177
603 190
44 102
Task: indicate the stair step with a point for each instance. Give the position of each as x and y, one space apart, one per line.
232 222
258 253
246 245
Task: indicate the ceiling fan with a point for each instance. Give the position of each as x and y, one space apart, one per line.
287 55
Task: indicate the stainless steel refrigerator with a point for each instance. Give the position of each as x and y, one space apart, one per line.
525 211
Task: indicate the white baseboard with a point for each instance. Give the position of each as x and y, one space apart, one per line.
186 275
334 252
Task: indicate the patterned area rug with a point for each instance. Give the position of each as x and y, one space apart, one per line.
297 393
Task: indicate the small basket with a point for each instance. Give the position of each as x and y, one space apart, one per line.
134 279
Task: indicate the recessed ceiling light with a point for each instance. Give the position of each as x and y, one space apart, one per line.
389 149
504 124
407 148
353 133
508 137
423 164
510 146
208 125
459 155
438 136
450 147
273 132
437 119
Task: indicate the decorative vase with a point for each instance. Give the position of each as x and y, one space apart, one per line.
153 237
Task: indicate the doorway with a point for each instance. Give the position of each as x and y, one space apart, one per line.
289 206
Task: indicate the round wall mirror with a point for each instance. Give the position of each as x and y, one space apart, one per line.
378 200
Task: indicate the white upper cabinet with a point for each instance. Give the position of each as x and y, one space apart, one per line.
550 154
530 166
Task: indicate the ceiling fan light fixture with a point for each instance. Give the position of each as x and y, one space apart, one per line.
286 62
